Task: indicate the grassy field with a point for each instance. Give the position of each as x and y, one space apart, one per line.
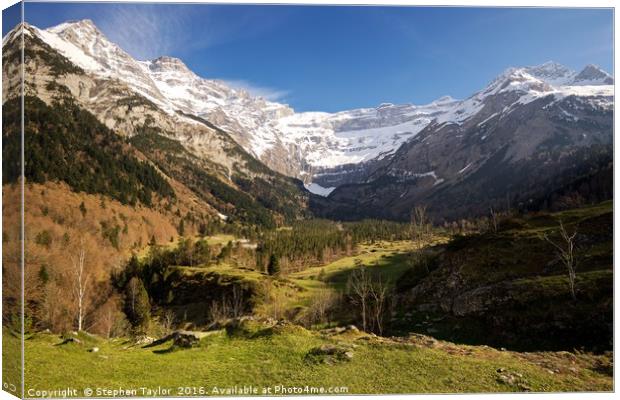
385 260
213 240
264 357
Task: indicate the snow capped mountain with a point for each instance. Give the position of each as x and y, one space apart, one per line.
310 145
351 137
593 75
553 73
293 143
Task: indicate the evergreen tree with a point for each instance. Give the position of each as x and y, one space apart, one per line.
181 228
44 276
273 268
226 251
83 209
137 305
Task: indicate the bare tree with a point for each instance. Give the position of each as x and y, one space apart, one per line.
494 220
359 286
167 321
565 250
219 310
378 296
277 304
236 303
80 283
319 309
108 318
420 225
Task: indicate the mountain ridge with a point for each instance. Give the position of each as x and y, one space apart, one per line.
307 145
377 162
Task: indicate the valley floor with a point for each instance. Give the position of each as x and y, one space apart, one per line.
262 356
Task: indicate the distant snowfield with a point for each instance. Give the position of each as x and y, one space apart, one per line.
318 189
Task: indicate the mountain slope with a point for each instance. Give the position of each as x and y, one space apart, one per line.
224 167
326 149
297 144
513 141
509 289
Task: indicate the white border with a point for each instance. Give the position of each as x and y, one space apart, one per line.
466 3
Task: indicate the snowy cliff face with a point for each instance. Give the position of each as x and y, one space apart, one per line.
316 145
300 142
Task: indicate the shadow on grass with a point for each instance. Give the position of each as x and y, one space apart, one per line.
170 349
389 268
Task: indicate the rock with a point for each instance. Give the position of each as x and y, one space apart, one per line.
183 339
329 354
352 328
186 341
94 350
327 349
70 340
144 340
507 379
514 379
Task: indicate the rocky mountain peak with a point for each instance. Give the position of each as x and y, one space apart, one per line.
514 80
593 75
82 27
552 73
166 63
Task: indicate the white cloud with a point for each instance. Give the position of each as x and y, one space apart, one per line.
271 94
147 31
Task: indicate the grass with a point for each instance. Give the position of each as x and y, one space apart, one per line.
222 269
214 240
267 357
11 361
385 260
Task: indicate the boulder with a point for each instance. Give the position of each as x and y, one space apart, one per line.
144 340
71 340
330 354
182 339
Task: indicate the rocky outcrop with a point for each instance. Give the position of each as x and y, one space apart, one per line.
509 290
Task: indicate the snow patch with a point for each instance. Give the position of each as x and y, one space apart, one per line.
318 189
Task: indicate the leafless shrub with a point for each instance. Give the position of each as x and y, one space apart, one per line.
565 250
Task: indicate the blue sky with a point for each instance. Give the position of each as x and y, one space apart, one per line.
331 58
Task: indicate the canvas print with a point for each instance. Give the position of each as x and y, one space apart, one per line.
216 200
